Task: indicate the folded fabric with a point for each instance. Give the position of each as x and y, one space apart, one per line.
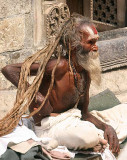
20 136
69 130
116 117
103 100
123 154
34 153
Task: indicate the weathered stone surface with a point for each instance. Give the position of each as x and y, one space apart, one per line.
116 81
4 59
14 57
112 34
113 49
12 34
7 99
122 97
28 43
4 83
14 7
20 56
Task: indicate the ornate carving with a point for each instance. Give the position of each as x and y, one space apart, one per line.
56 16
65 14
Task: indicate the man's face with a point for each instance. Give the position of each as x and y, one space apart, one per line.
87 52
89 37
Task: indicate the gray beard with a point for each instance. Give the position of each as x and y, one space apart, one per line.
90 62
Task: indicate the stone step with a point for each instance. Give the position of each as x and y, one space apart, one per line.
113 51
112 34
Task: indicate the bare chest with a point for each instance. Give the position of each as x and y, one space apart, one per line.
66 92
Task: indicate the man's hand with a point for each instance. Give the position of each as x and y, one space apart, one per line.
111 137
46 108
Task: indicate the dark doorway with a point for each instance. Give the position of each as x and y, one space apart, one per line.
75 6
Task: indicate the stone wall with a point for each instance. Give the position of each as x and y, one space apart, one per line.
16 33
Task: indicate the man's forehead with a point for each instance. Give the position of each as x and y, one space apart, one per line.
89 29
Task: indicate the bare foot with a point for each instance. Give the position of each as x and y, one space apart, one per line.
100 147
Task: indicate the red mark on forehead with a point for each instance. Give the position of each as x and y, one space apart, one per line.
94 29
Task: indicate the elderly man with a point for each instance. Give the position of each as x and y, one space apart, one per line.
78 65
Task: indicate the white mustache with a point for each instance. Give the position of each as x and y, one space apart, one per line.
93 54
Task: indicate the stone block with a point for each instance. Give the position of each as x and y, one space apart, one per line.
112 34
4 83
14 7
113 49
7 99
14 57
4 59
12 34
20 56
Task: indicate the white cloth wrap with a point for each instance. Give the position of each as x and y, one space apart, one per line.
116 117
69 130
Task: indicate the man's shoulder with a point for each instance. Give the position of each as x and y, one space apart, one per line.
61 67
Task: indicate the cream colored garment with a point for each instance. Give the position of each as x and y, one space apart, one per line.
123 153
69 130
116 117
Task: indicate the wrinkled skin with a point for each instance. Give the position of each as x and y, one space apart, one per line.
111 136
64 95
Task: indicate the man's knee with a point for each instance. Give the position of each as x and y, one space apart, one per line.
86 138
78 138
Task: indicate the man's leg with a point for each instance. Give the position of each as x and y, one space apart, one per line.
70 131
77 138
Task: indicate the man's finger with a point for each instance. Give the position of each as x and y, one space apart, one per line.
111 144
105 136
116 147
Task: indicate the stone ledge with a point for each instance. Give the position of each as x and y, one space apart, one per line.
113 53
112 34
113 48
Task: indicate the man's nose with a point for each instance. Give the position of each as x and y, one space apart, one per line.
95 48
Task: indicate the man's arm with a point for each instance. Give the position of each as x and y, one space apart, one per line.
109 132
12 72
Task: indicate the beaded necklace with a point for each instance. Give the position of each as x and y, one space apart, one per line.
76 80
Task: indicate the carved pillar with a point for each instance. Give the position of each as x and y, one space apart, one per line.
55 16
49 15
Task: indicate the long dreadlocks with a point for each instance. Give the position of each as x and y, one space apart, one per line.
25 94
